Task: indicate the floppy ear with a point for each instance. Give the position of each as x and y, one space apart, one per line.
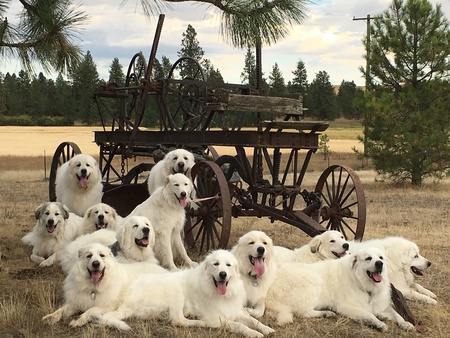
88 213
39 209
167 179
81 252
151 234
188 172
64 210
315 243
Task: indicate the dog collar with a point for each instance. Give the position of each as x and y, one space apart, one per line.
254 278
93 295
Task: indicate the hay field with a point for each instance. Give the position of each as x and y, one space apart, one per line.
27 292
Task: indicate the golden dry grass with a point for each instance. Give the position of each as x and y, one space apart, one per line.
27 292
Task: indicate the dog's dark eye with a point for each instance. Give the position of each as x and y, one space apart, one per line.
216 264
79 165
381 257
175 158
228 264
47 213
89 256
265 243
176 184
106 212
135 226
102 255
56 213
185 158
332 241
369 258
251 243
416 256
88 165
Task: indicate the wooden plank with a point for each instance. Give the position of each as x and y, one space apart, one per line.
314 126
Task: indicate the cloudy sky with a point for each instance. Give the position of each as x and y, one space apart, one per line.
329 39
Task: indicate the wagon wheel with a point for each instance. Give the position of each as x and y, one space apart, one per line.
209 221
63 153
185 107
137 70
343 201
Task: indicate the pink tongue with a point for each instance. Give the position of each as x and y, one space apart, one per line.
84 182
221 288
95 276
183 202
50 229
259 266
144 241
377 276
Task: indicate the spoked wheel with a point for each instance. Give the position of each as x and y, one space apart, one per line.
208 222
137 69
186 95
343 202
63 153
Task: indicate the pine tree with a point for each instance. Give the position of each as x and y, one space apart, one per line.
248 74
299 82
116 73
85 79
276 82
344 99
190 47
409 124
321 99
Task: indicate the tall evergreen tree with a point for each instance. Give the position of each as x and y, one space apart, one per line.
276 82
190 47
248 74
85 79
2 95
299 82
344 100
64 102
321 99
409 124
116 73
212 74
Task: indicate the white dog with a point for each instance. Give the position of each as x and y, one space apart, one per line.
356 286
99 216
404 263
133 242
328 245
79 183
95 284
54 228
165 210
176 161
254 252
212 292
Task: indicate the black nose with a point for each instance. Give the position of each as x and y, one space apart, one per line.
181 164
345 246
183 194
83 171
95 264
50 221
429 264
145 231
261 250
379 265
222 275
101 217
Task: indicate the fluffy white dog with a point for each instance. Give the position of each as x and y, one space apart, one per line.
254 252
79 183
212 292
176 161
95 284
99 216
133 242
356 286
328 245
404 263
54 228
165 210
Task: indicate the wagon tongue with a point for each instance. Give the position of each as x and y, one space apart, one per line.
258 264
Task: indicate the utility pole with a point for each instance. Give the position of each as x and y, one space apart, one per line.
367 19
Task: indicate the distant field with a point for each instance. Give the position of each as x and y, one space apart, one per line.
37 141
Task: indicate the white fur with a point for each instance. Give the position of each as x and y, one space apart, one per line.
403 257
99 216
69 190
328 245
165 210
55 227
95 284
254 252
212 292
340 285
175 161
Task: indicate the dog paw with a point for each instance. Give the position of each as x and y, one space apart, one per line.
430 301
45 264
50 319
407 326
76 323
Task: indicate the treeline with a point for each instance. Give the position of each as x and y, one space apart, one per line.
27 99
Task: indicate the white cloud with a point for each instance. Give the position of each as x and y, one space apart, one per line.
328 40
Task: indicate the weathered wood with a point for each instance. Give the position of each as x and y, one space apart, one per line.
312 126
223 100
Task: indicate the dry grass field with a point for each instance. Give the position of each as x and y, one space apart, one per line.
28 292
